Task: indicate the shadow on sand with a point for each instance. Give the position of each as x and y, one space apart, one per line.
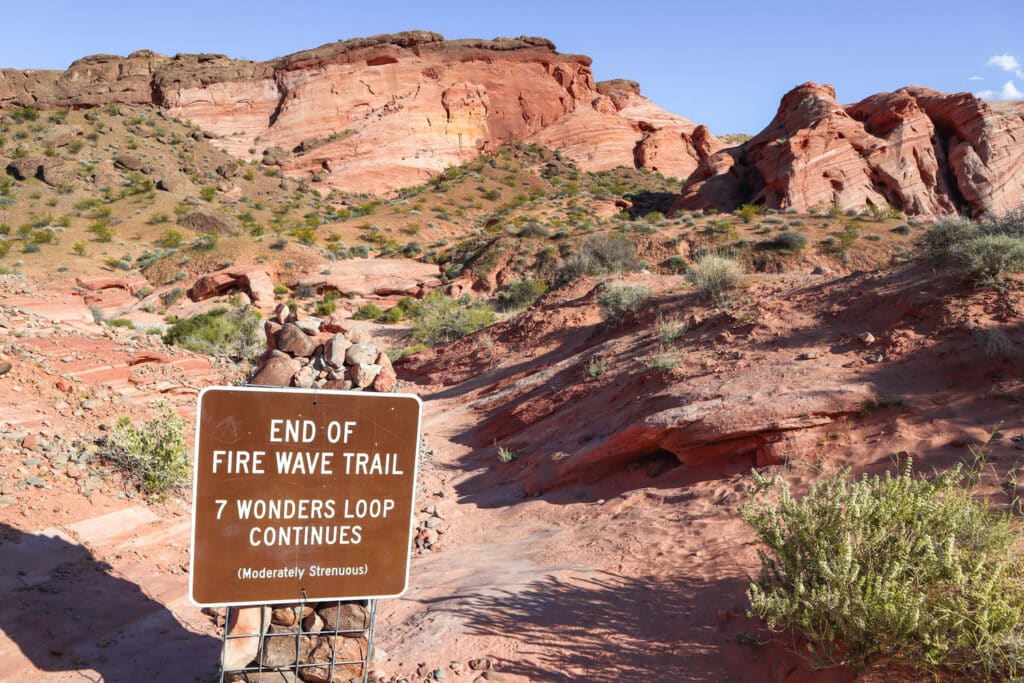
615 629
66 612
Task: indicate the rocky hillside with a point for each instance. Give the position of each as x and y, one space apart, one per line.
375 114
916 150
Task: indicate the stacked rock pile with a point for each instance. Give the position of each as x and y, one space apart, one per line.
316 633
305 351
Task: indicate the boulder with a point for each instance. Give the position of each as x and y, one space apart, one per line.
228 170
60 135
209 222
25 167
276 372
131 162
55 172
334 350
174 183
294 341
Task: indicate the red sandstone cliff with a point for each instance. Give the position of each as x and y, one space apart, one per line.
375 114
918 150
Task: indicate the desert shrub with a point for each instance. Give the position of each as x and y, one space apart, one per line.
170 239
892 569
669 330
748 212
438 318
619 301
157 218
1010 223
663 363
121 322
367 312
600 254
714 275
533 229
24 114
328 305
79 248
788 241
946 236
208 192
988 259
171 296
154 453
675 263
235 332
520 294
596 367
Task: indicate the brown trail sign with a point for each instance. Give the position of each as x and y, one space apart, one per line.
302 495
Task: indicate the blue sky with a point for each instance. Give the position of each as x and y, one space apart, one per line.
722 63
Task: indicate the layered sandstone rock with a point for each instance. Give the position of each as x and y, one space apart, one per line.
918 150
374 114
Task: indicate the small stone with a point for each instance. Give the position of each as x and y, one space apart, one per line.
867 338
310 325
385 381
305 377
4 368
433 522
481 664
334 350
363 374
809 355
361 353
38 482
876 358
282 313
30 442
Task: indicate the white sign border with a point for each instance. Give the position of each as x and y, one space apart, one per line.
311 393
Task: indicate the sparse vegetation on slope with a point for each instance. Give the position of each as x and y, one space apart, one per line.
892 570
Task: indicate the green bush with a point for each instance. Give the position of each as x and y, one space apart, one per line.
618 301
788 241
235 332
154 453
367 312
896 570
439 319
600 254
748 212
988 259
941 242
170 239
986 254
121 322
714 275
520 294
328 305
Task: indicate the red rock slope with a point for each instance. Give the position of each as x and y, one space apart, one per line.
916 149
375 114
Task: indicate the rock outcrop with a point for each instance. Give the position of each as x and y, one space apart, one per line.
917 150
375 114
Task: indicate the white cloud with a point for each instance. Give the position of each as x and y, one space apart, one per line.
1009 91
975 78
1007 63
